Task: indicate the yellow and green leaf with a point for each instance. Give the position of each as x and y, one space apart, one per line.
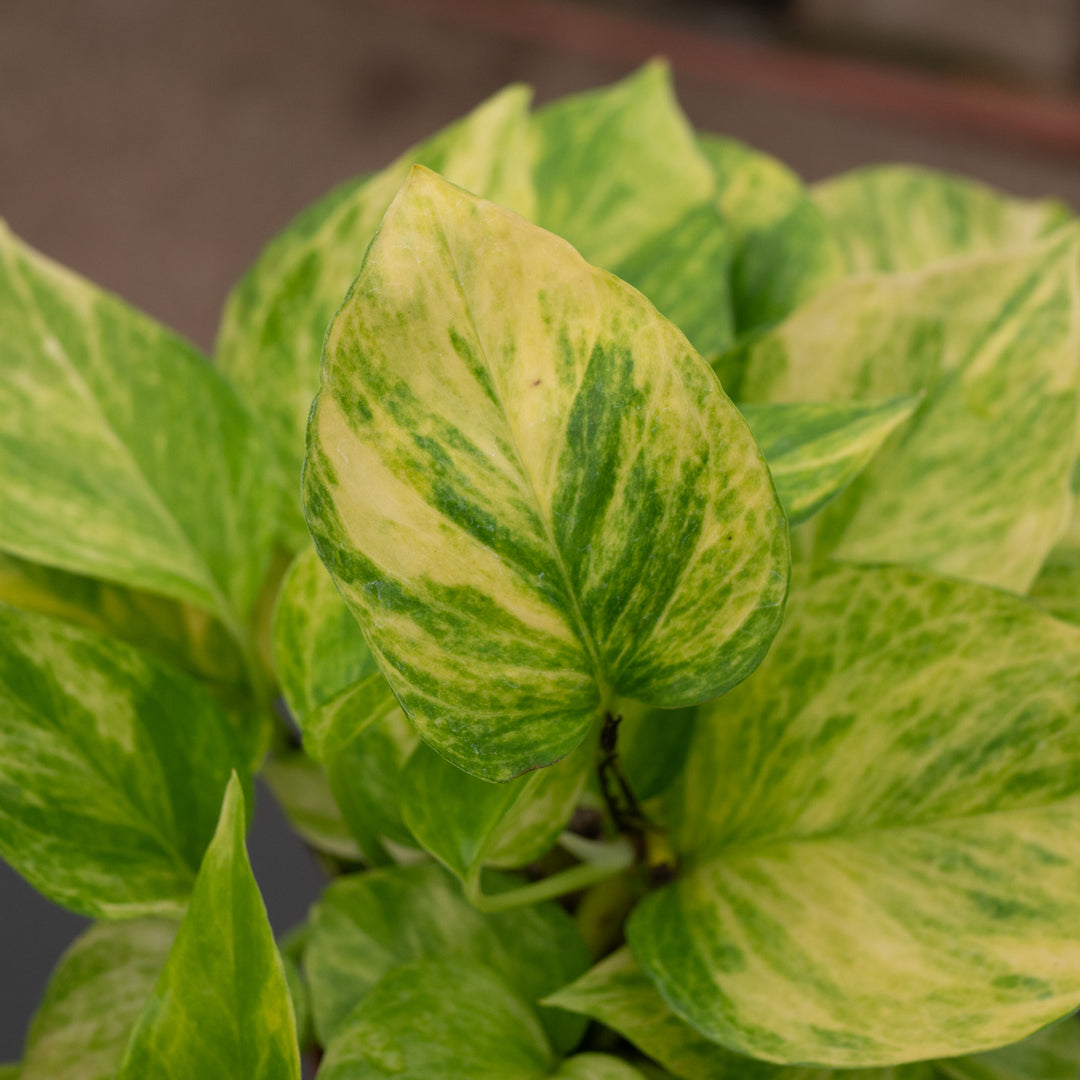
618 174
900 217
901 785
618 994
272 330
110 767
976 484
126 458
221 1006
814 451
530 490
94 998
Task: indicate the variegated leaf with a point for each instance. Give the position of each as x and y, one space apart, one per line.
272 330
367 924
468 823
530 490
620 995
111 765
901 785
351 722
900 217
814 451
434 1018
93 999
618 166
221 1006
125 456
784 251
618 174
1053 1054
977 483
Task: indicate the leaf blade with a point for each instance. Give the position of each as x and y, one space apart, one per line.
110 761
519 580
891 794
815 451
222 1002
104 475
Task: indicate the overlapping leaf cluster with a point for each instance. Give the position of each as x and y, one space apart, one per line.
643 734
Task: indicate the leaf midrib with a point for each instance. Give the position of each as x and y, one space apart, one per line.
580 626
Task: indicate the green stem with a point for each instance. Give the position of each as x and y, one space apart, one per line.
607 860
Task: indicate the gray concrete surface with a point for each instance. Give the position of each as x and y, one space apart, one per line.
155 145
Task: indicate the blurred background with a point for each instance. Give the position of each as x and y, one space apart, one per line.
154 146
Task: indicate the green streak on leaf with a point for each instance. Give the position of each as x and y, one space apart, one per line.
784 252
901 782
620 995
513 466
899 217
222 1005
125 456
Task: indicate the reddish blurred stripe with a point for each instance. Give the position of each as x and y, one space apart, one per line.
1049 122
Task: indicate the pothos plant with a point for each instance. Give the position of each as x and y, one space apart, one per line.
606 790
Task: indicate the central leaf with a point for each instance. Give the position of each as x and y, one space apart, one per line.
532 492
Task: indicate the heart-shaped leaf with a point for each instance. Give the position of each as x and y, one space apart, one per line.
532 493
901 784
